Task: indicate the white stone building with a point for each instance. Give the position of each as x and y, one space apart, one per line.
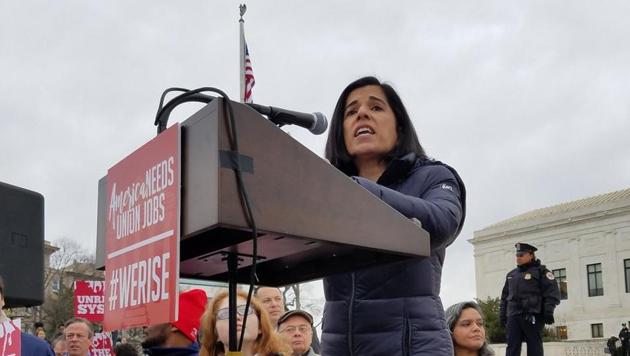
586 243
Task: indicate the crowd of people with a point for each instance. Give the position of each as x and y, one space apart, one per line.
202 329
392 309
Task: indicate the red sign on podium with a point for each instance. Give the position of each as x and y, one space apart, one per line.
142 235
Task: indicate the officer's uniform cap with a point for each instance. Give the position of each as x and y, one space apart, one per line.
523 247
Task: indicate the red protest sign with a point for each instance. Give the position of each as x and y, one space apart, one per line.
89 300
102 345
142 235
10 338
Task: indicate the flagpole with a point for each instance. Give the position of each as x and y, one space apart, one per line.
242 9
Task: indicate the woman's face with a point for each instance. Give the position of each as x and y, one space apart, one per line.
524 258
369 125
251 329
469 332
41 334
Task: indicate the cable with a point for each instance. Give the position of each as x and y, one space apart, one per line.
161 117
161 120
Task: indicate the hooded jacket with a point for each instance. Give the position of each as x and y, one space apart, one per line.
395 309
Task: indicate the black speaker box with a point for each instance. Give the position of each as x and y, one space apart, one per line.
21 246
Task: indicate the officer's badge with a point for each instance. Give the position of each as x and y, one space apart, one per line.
528 276
550 276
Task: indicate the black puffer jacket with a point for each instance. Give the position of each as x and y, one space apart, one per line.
529 289
395 309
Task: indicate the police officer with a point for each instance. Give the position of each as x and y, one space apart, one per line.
624 336
529 297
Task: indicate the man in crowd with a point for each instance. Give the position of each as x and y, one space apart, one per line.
296 326
273 300
59 346
528 300
78 333
624 336
179 338
59 331
29 344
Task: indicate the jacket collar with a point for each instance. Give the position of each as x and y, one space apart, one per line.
534 263
398 169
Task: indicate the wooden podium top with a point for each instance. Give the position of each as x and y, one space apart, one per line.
313 221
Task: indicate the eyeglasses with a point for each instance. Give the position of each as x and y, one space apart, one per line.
224 313
303 329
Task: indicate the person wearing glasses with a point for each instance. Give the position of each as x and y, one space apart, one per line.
78 334
259 337
59 346
296 326
529 297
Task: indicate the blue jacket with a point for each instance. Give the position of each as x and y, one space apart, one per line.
34 346
395 309
192 350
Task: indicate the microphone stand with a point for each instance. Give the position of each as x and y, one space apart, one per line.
232 262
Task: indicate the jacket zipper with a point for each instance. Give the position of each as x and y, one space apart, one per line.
350 307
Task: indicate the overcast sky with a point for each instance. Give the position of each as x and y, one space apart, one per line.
528 100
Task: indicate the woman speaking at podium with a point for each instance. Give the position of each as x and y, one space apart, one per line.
393 309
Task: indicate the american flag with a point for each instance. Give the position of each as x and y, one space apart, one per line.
249 77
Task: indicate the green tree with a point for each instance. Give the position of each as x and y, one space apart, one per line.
549 334
495 332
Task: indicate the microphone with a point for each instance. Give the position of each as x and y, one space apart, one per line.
315 122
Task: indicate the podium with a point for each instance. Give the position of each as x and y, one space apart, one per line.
313 221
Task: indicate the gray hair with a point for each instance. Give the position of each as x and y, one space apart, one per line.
58 340
454 312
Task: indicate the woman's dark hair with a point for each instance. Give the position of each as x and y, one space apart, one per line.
454 312
407 142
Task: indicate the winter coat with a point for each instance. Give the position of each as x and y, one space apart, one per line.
192 350
395 309
34 346
529 289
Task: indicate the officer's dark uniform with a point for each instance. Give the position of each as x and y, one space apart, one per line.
529 297
624 336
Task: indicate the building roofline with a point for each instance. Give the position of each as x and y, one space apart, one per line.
607 204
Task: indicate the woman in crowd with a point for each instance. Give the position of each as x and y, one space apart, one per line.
259 337
41 333
465 320
394 309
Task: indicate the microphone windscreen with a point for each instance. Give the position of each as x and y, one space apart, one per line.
321 123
